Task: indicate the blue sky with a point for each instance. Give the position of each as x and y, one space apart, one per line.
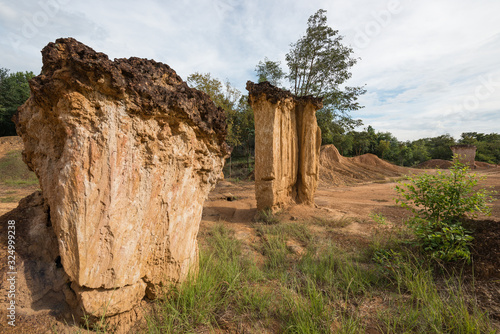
430 67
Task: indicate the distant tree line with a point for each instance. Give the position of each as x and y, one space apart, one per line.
411 153
14 91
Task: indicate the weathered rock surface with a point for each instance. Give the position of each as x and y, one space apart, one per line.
466 154
126 154
287 144
39 280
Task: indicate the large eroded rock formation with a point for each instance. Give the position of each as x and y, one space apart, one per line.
126 154
466 154
287 144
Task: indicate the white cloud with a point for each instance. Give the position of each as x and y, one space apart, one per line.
422 61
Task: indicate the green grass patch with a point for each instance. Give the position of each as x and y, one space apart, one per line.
297 231
423 306
320 291
14 172
337 272
224 287
10 199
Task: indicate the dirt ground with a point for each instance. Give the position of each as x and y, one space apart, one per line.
353 199
356 205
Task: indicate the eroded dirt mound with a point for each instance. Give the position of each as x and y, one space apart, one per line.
435 164
445 164
480 164
338 170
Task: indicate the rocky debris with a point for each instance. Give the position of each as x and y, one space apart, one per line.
39 279
287 144
126 154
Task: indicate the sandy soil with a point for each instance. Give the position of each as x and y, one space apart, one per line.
235 204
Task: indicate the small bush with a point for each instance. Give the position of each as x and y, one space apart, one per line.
447 241
378 218
440 203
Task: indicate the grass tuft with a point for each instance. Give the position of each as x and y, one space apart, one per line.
14 172
268 217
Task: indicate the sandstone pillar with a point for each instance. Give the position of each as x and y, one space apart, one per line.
309 137
287 144
126 154
466 154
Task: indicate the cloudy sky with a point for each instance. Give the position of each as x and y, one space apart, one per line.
430 67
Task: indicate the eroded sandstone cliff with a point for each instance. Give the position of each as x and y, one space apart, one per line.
287 144
126 154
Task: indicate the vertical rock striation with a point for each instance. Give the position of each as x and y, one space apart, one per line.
287 144
466 154
126 154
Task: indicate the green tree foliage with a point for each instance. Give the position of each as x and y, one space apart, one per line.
225 97
240 120
439 147
412 153
319 65
14 91
488 145
420 153
440 202
271 71
246 126
334 129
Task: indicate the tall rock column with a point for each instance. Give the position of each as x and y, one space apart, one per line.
466 154
309 138
287 144
126 154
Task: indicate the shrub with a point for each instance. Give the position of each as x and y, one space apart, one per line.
440 203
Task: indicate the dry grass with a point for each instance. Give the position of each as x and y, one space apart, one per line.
325 290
